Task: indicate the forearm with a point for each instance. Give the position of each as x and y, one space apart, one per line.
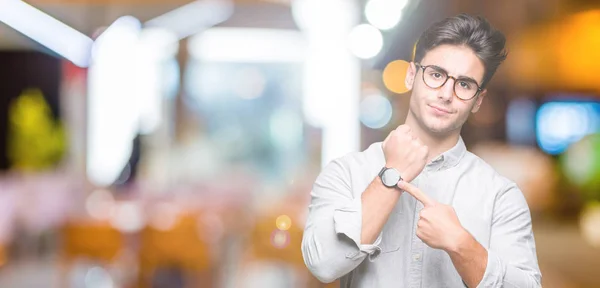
329 256
470 259
378 201
331 244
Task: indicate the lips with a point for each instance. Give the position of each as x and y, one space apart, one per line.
442 110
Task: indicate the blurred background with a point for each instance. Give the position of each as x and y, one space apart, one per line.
154 143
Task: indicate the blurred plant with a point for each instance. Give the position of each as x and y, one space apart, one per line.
35 140
581 165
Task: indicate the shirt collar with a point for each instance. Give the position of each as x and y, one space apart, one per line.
449 158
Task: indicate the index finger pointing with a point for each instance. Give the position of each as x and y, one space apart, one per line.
417 193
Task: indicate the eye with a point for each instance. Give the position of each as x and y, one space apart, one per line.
465 85
436 75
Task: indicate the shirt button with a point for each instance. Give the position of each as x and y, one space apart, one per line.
417 257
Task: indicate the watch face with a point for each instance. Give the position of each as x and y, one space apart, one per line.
390 177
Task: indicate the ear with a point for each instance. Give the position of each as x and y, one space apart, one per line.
411 72
478 101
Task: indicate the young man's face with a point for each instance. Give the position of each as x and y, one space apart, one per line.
438 110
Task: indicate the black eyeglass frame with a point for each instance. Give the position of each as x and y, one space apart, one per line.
479 89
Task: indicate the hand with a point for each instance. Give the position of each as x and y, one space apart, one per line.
438 225
405 152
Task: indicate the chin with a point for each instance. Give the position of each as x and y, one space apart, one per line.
440 128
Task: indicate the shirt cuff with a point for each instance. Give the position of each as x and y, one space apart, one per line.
493 272
348 221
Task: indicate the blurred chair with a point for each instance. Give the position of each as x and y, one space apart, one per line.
3 256
96 241
178 249
268 243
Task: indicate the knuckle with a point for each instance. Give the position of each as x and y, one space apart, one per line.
389 137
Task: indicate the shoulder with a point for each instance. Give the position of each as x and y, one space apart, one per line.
503 190
485 172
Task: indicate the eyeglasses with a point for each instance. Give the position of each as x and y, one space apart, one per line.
435 77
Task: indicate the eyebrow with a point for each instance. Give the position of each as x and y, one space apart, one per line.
461 77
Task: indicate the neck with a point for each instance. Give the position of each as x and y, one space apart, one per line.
437 143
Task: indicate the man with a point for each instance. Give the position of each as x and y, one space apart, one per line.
419 210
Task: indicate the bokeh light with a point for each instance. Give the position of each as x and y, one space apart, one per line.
365 41
581 165
561 123
164 216
283 222
100 204
97 277
394 75
589 223
375 111
127 217
280 239
317 15
384 14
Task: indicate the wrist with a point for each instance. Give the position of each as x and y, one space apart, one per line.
460 242
396 166
380 183
390 176
392 165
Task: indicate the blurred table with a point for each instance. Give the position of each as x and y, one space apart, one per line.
565 259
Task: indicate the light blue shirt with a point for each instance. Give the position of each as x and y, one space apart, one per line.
491 207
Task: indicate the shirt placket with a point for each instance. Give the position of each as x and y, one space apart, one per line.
417 245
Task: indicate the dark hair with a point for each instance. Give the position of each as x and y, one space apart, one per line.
474 32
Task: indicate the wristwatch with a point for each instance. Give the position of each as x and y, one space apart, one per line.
389 177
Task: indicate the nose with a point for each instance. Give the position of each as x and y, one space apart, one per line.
446 92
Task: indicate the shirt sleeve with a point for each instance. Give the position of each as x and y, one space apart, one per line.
512 258
348 222
331 241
